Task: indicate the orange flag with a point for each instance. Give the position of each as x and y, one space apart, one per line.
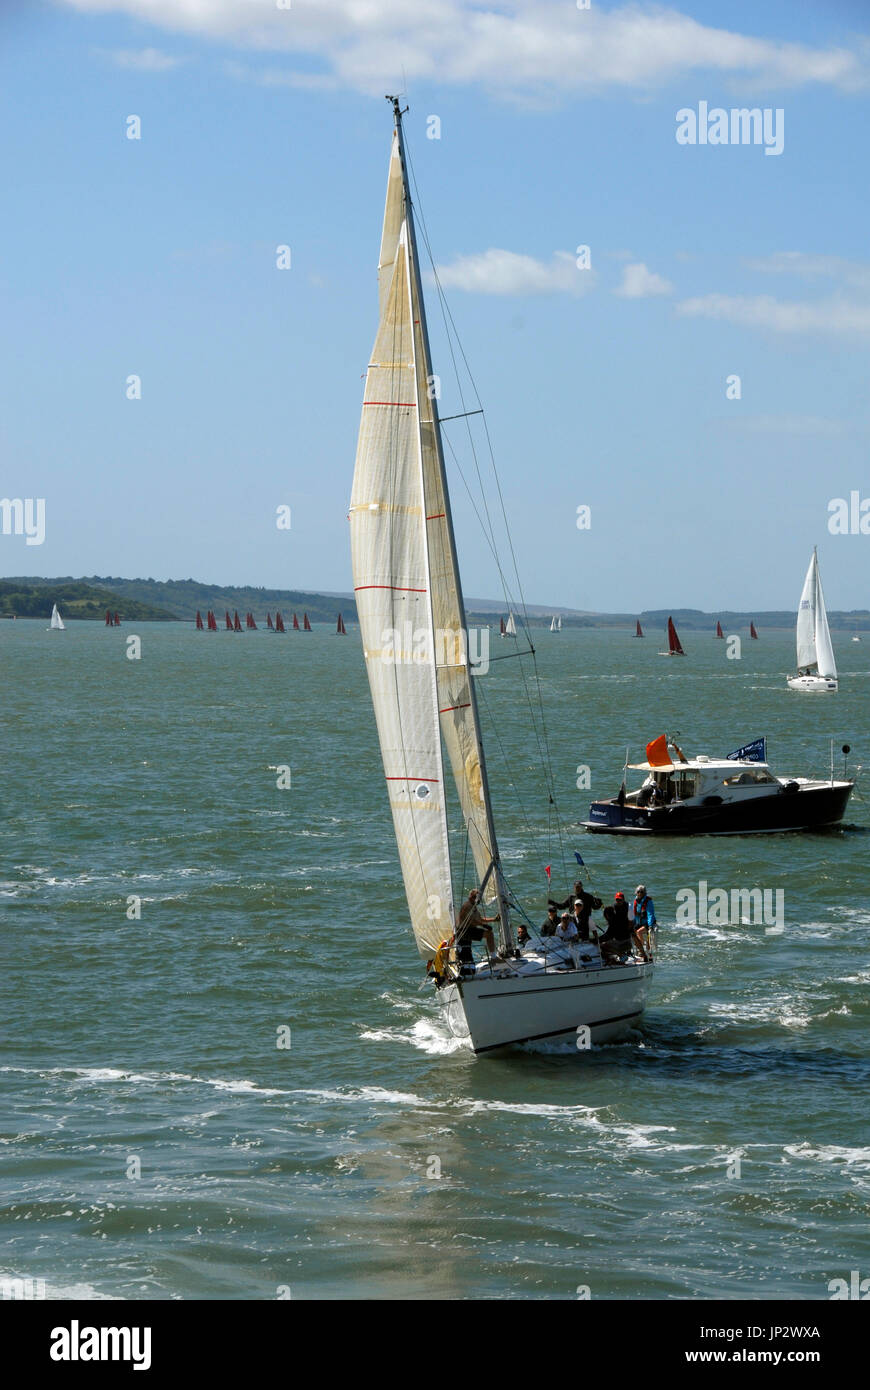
657 754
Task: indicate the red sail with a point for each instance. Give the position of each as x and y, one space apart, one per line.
237 626
639 632
341 630
199 626
108 618
270 625
305 623
719 632
117 621
752 632
229 622
502 629
212 622
249 620
674 647
279 623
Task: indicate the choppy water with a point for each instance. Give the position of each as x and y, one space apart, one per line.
313 1167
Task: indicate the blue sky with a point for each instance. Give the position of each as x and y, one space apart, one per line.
607 387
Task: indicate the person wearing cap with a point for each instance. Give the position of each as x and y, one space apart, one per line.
616 941
589 902
472 926
548 928
644 917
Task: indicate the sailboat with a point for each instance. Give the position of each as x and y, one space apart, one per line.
817 669
212 622
638 629
674 648
108 619
250 623
340 629
279 623
509 628
57 623
237 625
306 626
269 624
199 624
719 632
406 576
295 623
556 624
229 621
117 621
752 631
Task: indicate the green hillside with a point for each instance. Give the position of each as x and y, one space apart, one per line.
33 598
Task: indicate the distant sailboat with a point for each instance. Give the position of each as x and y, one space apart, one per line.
229 621
752 631
295 623
674 648
249 619
556 624
199 623
279 623
57 623
212 622
306 626
108 618
340 629
638 629
117 620
719 632
237 624
817 669
269 624
509 628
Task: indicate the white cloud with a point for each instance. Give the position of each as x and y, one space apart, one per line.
506 272
640 283
809 266
835 314
142 59
543 48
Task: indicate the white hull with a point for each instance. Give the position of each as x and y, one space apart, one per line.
819 685
494 1011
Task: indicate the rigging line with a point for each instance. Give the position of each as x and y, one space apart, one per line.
448 316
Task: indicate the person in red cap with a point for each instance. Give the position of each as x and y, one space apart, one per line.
616 941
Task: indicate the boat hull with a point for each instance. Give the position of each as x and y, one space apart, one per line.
496 1012
805 808
813 685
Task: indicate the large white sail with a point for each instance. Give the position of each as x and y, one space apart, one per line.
56 619
511 626
806 620
824 648
409 596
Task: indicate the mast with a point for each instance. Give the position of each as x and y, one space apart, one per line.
427 397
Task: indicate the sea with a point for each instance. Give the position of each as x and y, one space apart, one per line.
223 1075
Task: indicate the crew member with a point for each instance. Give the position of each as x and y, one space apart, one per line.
472 926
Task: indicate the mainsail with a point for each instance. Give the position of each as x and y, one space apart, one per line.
409 597
674 647
56 619
511 626
813 634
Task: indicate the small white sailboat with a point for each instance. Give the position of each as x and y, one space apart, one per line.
556 624
57 623
406 579
510 627
817 669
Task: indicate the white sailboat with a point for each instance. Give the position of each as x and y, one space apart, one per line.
510 627
817 669
556 624
57 623
406 581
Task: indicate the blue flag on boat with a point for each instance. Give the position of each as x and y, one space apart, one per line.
579 860
754 752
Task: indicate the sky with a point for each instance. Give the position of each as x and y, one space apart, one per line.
264 125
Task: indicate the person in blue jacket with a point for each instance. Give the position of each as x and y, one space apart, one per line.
644 914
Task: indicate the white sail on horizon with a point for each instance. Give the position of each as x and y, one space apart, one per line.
57 622
511 626
813 635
